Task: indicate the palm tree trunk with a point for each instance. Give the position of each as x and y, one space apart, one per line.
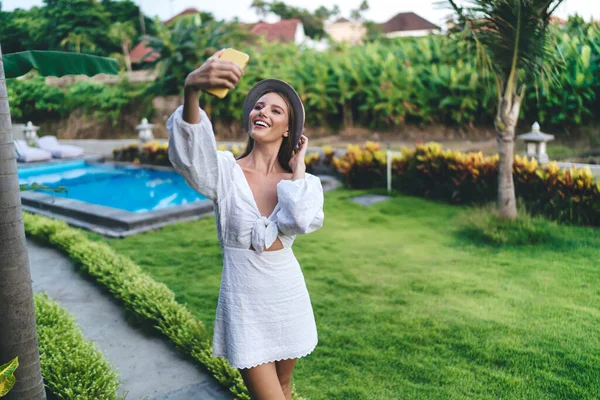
18 335
507 206
506 124
127 58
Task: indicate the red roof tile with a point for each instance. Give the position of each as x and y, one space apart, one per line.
282 31
557 20
408 21
140 50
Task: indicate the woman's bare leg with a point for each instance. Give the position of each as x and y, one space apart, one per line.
284 374
262 382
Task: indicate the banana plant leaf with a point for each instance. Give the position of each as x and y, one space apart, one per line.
57 63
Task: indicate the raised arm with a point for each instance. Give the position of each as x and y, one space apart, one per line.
192 146
193 153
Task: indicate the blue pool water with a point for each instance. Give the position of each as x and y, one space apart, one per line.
131 189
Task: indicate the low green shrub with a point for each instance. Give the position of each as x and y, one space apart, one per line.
72 366
108 102
32 98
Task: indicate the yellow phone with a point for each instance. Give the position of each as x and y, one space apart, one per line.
237 57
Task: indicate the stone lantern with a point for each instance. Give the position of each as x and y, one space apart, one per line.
535 142
30 131
145 131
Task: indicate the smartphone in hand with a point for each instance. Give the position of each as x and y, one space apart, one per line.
241 59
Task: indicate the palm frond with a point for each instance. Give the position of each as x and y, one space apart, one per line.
513 36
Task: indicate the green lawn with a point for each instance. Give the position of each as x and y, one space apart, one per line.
408 308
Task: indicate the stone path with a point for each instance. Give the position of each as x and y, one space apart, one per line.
149 366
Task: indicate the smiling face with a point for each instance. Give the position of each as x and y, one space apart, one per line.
269 119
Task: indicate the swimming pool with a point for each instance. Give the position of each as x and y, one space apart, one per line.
126 188
111 199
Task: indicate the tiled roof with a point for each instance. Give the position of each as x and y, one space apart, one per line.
283 31
557 20
408 21
140 50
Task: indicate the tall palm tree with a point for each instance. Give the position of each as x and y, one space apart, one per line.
514 45
18 335
123 32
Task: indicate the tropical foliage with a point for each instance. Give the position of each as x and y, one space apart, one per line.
184 44
69 22
567 195
32 99
382 85
431 80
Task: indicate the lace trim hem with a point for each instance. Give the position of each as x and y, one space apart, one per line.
280 358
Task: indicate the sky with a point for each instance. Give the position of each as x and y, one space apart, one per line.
380 10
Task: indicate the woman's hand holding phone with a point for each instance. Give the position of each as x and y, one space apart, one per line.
215 72
215 76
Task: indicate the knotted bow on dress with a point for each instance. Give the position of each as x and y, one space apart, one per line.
264 233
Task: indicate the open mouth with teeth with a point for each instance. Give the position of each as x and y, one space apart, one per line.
261 123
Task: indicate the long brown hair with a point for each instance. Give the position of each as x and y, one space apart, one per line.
286 149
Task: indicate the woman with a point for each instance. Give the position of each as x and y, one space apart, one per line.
262 200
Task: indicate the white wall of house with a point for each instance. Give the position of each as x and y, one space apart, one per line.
302 39
346 32
423 32
300 36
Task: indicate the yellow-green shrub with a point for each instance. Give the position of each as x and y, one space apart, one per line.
362 167
563 194
447 175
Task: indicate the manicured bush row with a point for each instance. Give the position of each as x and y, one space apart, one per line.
566 195
72 366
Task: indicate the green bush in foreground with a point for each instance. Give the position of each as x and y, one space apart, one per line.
150 301
72 366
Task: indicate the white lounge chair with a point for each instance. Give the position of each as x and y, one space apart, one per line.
50 143
25 153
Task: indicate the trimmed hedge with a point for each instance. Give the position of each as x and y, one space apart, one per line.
149 301
566 195
72 366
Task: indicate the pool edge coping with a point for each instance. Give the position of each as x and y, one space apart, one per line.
117 223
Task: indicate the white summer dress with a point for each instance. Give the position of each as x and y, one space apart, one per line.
264 312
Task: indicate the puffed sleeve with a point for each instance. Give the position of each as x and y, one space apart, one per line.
301 205
193 153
